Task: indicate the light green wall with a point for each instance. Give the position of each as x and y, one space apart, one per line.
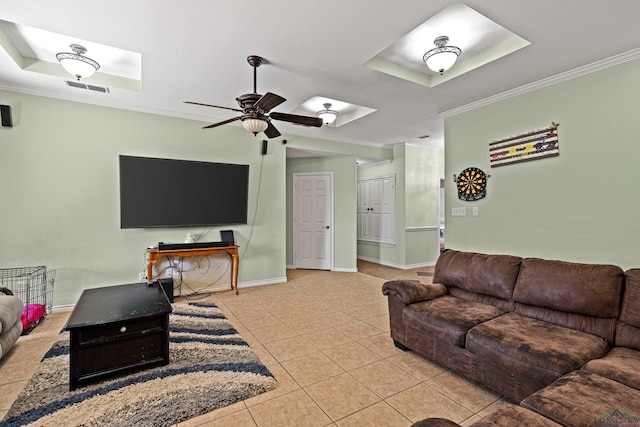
392 255
424 168
418 171
60 197
59 174
580 206
344 175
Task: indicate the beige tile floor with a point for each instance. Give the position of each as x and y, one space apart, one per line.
325 337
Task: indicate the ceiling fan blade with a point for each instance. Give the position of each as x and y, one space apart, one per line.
222 123
268 101
299 120
214 106
271 131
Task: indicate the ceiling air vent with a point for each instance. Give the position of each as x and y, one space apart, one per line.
79 85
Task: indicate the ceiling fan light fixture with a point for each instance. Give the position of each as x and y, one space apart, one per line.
442 57
327 115
255 126
76 63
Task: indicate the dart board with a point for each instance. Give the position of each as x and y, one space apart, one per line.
472 184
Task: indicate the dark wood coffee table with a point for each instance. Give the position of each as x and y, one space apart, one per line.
118 329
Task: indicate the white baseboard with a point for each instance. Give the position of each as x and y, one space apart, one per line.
399 266
262 282
217 288
338 269
346 270
251 284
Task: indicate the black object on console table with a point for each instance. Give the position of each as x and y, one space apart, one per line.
175 246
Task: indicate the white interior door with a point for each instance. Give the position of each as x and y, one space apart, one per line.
313 221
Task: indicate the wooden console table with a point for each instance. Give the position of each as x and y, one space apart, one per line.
153 255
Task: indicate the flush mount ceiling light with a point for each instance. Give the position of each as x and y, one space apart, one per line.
255 126
76 63
327 115
442 57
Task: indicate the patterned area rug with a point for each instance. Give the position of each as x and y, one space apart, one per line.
211 366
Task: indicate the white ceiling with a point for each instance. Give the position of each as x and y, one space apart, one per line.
196 50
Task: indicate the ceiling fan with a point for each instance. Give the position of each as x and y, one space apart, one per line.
255 108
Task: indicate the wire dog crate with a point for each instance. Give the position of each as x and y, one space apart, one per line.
34 286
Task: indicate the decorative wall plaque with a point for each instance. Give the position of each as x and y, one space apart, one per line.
532 145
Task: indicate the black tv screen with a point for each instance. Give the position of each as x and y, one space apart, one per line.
180 193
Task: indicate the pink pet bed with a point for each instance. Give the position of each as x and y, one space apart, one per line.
32 315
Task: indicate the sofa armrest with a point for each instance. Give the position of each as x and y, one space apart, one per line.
410 291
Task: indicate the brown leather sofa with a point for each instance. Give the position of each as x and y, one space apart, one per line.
512 324
604 391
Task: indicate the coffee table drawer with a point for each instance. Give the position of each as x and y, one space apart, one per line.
126 353
120 329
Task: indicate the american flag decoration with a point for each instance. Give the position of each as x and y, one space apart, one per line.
532 145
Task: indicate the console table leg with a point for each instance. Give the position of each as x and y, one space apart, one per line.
234 272
150 270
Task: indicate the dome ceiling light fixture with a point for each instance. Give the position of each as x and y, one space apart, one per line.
76 63
254 125
442 57
327 115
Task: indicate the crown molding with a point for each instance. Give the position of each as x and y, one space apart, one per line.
170 113
549 81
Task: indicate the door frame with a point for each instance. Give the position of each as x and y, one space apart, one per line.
295 194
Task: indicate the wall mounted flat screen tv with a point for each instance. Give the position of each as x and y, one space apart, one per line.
180 193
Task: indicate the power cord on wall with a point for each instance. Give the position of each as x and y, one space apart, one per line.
255 212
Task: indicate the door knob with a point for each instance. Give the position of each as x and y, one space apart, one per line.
326 226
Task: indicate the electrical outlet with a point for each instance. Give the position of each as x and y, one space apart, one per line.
476 211
142 277
169 272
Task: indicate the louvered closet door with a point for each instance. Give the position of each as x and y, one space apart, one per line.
376 210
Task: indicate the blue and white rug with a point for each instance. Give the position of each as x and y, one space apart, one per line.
210 366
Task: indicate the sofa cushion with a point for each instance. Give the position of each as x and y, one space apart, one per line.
509 415
582 398
587 289
628 329
524 345
604 328
504 304
493 275
620 364
448 318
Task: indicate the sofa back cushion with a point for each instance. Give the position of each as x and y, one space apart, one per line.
628 330
578 296
492 275
588 289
